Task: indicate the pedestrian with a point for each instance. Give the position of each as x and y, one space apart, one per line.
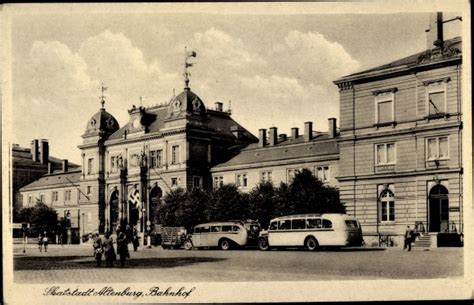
109 250
98 249
135 240
40 242
45 242
408 238
122 249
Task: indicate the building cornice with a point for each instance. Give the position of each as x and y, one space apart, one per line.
397 175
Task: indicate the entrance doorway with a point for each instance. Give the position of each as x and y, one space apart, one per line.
155 199
438 209
114 211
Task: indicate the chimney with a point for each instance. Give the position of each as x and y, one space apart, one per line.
434 36
262 137
308 131
273 136
65 165
219 106
294 133
332 128
44 151
50 167
34 150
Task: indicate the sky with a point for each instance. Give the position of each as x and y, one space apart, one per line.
275 69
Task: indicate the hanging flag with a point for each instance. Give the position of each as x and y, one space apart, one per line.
191 54
189 64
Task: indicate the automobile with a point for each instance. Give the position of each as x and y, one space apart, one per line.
312 231
224 235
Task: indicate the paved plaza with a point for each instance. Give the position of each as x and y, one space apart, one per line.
75 264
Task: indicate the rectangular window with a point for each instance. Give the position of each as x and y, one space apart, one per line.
298 224
438 148
291 173
313 223
218 182
113 164
323 173
384 107
156 158
436 97
67 195
197 182
266 176
385 154
388 210
30 199
42 198
241 180
55 196
90 164
436 103
174 182
175 154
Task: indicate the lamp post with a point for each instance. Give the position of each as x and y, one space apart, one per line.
143 228
83 225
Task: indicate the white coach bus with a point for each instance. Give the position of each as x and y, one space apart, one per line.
312 231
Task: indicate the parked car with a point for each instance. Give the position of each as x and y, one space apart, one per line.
225 235
312 231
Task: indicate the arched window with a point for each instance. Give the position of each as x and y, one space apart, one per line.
387 205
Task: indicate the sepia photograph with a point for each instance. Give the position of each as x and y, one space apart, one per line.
236 152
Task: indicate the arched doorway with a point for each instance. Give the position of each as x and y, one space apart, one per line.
438 209
154 203
114 210
134 205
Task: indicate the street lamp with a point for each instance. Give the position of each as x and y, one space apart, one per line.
143 228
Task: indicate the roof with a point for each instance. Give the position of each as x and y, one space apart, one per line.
102 121
22 157
214 121
285 149
452 48
70 178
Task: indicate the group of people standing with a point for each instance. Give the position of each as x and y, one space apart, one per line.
106 247
43 241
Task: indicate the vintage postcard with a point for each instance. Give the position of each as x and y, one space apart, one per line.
236 152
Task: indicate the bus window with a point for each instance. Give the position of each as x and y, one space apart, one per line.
298 224
235 228
284 225
197 230
215 229
313 223
273 226
205 229
226 228
327 224
351 224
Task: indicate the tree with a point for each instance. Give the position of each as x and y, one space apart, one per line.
184 208
41 217
262 203
309 195
227 203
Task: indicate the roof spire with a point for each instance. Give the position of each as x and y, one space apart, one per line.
187 65
102 97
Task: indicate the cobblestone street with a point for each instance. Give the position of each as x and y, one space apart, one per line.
76 264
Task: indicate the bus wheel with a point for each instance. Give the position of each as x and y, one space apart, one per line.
188 245
311 243
224 244
263 244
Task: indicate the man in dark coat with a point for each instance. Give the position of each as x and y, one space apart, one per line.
122 248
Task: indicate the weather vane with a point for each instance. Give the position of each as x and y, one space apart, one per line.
187 65
102 97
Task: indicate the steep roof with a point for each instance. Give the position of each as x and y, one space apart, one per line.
451 49
71 178
285 149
